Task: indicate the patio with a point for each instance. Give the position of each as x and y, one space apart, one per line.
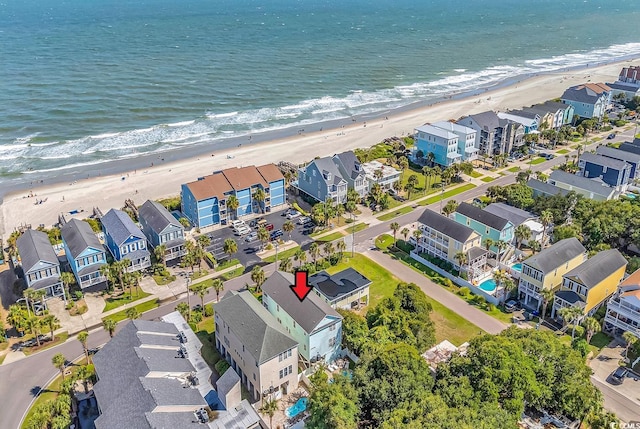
280 418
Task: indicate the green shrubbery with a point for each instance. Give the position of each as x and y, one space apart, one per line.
221 367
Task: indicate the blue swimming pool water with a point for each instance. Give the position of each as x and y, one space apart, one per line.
297 408
488 285
517 267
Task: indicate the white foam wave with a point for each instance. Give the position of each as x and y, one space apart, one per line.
181 124
103 136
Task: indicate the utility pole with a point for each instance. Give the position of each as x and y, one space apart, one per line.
276 244
189 297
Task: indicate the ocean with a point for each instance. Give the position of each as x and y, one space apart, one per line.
84 82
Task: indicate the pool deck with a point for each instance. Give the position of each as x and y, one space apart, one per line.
280 419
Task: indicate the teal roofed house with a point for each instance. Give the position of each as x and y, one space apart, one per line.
125 240
488 225
84 252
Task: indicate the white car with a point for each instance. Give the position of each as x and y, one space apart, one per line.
302 220
237 223
293 214
243 230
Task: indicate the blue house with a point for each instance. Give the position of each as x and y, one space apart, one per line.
441 143
40 263
633 159
613 172
312 323
162 228
321 179
204 201
589 100
487 224
125 240
529 120
84 253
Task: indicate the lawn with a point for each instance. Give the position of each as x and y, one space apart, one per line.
513 169
281 255
449 193
330 237
384 241
538 161
563 151
396 213
60 338
600 340
488 179
232 274
226 264
475 174
357 228
141 308
124 298
161 280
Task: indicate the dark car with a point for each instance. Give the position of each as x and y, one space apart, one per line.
511 306
618 376
275 234
611 136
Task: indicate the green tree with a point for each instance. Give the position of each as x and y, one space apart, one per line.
132 313
630 339
269 408
60 362
218 286
83 337
259 196
449 208
300 256
17 317
263 236
67 280
521 233
258 276
332 405
286 264
547 296
109 325
183 309
159 252
34 325
314 251
571 315
52 322
405 233
341 246
288 227
546 218
201 289
232 206
591 326
230 246
328 249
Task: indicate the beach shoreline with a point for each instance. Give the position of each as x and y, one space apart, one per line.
156 175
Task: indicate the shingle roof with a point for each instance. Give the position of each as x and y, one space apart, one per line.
254 326
78 236
34 247
476 252
570 296
516 117
597 268
453 127
308 313
591 185
619 154
335 286
120 227
270 172
327 165
553 105
585 93
436 131
552 257
513 214
632 280
488 120
446 226
631 147
244 177
350 163
546 188
157 216
214 185
525 114
482 216
603 161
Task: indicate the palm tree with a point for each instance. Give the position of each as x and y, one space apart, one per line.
499 277
405 233
134 279
159 252
132 313
67 280
571 315
183 309
263 236
547 296
507 286
259 196
52 322
29 296
286 264
630 339
314 251
501 245
218 286
328 249
258 276
546 217
426 172
449 208
201 289
17 317
232 206
395 226
109 325
230 246
269 408
203 241
59 361
300 256
33 325
83 337
341 246
431 157
462 259
417 234
409 187
288 227
488 243
591 326
109 273
535 246
522 232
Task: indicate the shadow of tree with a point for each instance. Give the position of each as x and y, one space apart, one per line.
35 391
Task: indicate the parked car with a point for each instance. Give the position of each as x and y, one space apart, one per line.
275 234
294 214
236 223
618 376
243 230
269 227
511 306
611 136
251 237
304 219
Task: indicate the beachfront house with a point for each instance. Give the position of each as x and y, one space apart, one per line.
628 83
623 309
40 264
383 175
545 269
321 180
594 189
589 100
347 289
84 252
633 159
312 323
204 202
466 139
553 114
494 135
441 143
256 346
445 238
125 240
488 225
351 170
591 283
162 229
613 172
518 217
530 121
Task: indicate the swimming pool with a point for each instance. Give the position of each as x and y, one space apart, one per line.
488 285
517 267
297 408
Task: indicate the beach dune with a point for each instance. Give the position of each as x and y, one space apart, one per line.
164 179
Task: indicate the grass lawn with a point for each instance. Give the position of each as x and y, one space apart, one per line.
488 179
331 237
396 213
563 151
226 264
383 241
60 338
449 193
475 174
197 274
600 340
514 169
357 227
145 306
451 326
538 161
123 299
281 255
161 281
232 274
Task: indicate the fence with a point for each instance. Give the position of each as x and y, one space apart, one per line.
457 280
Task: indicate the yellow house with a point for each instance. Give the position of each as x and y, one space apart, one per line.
590 284
544 270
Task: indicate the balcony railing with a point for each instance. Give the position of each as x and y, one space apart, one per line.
622 325
626 310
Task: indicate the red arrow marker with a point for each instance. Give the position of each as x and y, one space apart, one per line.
301 288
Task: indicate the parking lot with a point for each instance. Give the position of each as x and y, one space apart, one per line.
247 251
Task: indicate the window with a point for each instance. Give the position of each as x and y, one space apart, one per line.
332 342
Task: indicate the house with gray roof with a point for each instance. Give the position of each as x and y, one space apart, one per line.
321 179
529 120
351 171
257 347
613 172
494 135
125 240
589 285
347 289
151 375
552 113
40 264
312 323
590 100
594 189
633 159
84 252
632 147
545 189
519 217
162 229
488 225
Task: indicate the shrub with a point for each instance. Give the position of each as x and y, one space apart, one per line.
211 260
77 295
620 123
580 344
221 367
446 282
334 259
208 310
196 317
464 291
579 331
480 300
491 307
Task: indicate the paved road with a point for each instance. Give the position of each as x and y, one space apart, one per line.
614 401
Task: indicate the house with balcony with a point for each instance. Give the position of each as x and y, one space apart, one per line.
545 269
590 284
351 170
441 143
589 100
623 308
614 172
40 264
633 159
204 202
347 289
488 225
466 139
530 121
444 238
628 83
552 114
518 217
312 322
162 229
494 135
257 347
594 189
321 179
383 175
125 240
84 252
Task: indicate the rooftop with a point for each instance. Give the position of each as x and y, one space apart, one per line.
35 250
335 286
488 120
157 216
78 236
214 185
546 188
604 161
120 227
453 127
482 216
350 163
244 177
618 154
371 167
580 182
560 253
436 131
585 93
597 268
513 214
223 182
446 226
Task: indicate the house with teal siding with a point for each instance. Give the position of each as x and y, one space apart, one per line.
162 229
125 240
488 225
443 144
84 252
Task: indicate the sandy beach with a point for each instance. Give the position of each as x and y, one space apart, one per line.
163 179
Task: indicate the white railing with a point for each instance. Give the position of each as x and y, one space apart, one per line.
623 309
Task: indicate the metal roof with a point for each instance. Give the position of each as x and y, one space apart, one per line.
446 226
552 257
437 131
35 249
157 216
591 185
78 236
614 153
604 161
546 188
